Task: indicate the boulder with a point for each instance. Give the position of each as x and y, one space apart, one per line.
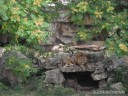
102 84
6 72
8 54
64 32
108 63
53 63
68 30
114 62
95 56
62 54
71 83
110 80
54 76
99 76
41 62
58 48
123 61
56 62
8 76
64 16
1 53
66 40
99 69
117 86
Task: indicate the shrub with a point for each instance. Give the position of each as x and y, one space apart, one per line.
18 63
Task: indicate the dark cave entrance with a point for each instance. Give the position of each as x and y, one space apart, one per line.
83 79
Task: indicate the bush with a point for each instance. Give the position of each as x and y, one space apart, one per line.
19 64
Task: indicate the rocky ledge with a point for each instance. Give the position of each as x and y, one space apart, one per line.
89 67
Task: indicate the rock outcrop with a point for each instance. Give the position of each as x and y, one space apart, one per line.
54 76
6 71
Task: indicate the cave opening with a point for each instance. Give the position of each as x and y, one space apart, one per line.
82 79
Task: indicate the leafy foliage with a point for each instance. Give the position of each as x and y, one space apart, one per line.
108 15
22 66
24 19
28 19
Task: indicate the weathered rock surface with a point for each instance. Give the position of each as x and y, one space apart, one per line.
95 56
90 67
64 16
64 32
99 69
71 83
99 76
117 86
1 53
54 76
9 76
62 54
113 62
6 71
102 84
110 80
9 54
41 63
89 47
53 63
110 63
66 40
121 62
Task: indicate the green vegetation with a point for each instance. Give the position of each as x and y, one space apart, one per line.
107 16
24 19
35 87
21 66
29 20
121 75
